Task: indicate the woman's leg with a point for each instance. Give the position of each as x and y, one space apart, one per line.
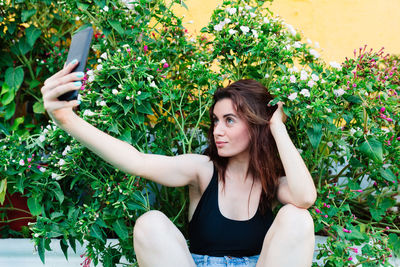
158 242
290 240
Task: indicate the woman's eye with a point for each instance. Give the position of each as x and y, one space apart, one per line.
215 121
230 120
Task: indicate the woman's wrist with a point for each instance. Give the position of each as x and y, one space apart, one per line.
277 127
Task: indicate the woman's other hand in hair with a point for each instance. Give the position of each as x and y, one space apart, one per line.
279 117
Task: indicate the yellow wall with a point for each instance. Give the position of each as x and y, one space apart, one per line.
339 26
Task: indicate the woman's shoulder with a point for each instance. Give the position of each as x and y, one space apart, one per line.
204 168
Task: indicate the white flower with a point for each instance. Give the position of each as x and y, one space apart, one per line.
305 92
329 110
297 44
45 131
227 20
114 91
36 235
219 27
56 177
291 30
102 103
127 97
22 162
77 18
99 67
314 53
42 169
316 45
339 92
292 96
139 92
245 29
323 81
65 152
330 144
163 61
266 76
287 47
42 138
311 83
88 113
294 69
303 75
91 79
353 131
104 55
308 106
335 65
90 73
252 15
105 8
309 41
266 20
314 77
193 40
255 33
232 31
153 84
292 79
247 7
231 11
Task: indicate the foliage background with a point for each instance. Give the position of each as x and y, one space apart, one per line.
150 82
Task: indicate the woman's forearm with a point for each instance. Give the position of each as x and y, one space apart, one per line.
118 153
300 182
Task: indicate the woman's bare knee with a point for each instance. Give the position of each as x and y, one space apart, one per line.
296 222
151 223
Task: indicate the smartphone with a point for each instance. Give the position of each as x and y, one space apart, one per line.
79 49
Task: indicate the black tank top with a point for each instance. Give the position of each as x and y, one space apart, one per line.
211 233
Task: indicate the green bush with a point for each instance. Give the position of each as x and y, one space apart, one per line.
150 84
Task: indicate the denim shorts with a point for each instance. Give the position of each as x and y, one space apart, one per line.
209 261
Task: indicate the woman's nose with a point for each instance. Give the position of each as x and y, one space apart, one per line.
218 129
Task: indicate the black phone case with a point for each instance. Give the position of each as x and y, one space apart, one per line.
79 49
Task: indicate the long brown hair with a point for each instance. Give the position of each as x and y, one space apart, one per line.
251 98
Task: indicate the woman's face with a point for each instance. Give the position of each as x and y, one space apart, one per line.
231 133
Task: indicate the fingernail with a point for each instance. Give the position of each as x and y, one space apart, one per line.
78 83
74 61
80 74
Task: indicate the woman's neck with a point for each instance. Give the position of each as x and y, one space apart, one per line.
238 168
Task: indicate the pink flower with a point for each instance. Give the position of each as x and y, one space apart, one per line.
326 216
29 159
29 165
389 119
351 258
383 109
398 138
165 65
317 210
145 48
360 191
346 231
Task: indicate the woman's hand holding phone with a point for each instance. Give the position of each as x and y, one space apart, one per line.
55 86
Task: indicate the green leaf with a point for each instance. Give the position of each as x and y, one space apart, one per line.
96 232
145 108
26 14
64 247
3 190
4 88
134 206
126 136
373 149
58 192
8 97
32 34
315 135
14 77
394 242
41 249
38 108
34 206
72 243
388 175
18 121
23 46
82 6
127 107
116 26
120 229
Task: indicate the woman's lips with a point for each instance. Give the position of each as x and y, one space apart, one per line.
220 144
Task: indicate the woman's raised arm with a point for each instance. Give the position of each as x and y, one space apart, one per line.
170 171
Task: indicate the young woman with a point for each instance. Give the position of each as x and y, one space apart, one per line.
250 164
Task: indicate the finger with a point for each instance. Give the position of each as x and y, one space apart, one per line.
67 69
62 89
55 105
52 84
